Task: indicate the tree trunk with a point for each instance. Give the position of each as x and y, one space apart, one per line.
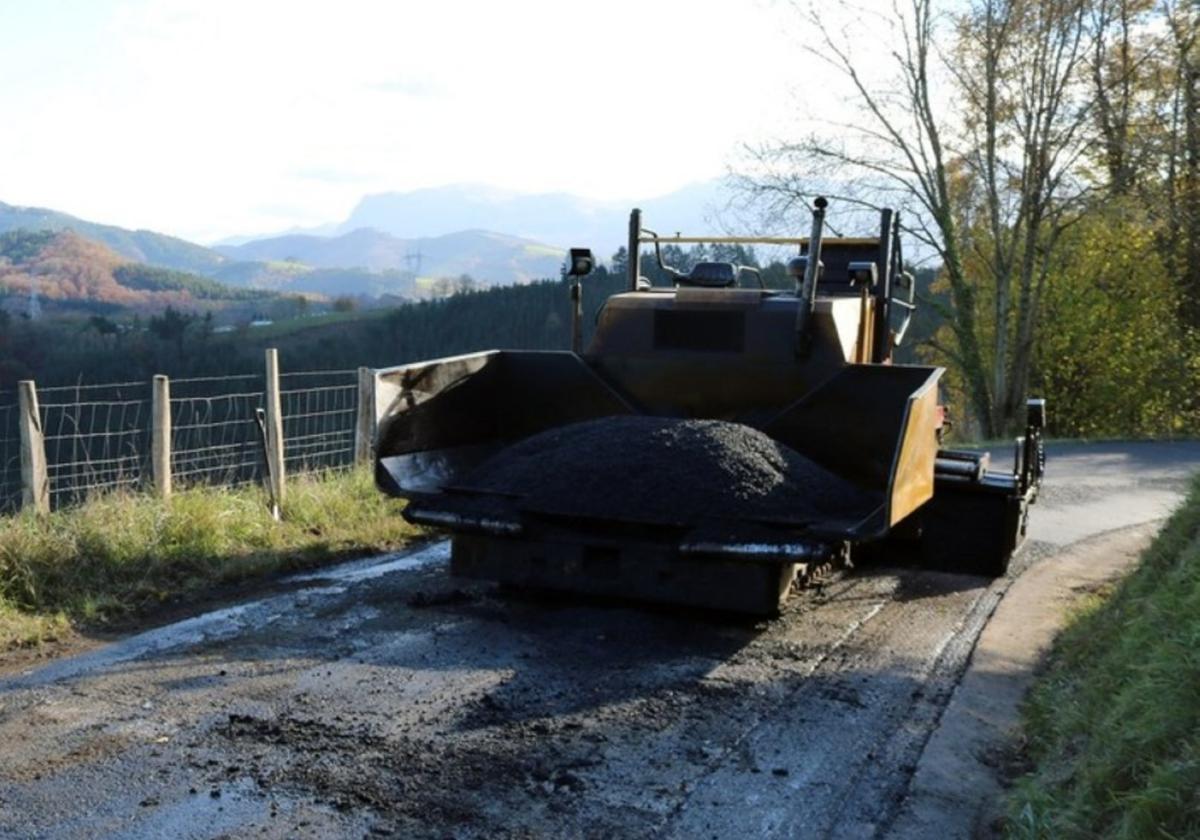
1190 193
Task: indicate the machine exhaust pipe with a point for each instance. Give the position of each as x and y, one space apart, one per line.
811 266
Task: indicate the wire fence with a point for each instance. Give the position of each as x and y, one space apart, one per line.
214 431
10 454
98 438
320 409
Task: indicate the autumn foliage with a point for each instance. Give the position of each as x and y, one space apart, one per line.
64 267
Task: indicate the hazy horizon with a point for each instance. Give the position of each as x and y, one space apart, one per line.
208 120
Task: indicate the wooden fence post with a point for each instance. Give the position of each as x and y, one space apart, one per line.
274 427
364 428
160 436
35 483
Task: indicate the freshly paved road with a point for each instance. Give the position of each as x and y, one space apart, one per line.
384 697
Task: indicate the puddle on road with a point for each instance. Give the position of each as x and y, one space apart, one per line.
375 567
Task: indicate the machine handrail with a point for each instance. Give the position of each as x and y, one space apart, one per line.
754 240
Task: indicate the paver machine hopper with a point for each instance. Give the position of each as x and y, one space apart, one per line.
716 443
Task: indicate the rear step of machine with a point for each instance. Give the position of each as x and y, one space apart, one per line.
746 578
741 567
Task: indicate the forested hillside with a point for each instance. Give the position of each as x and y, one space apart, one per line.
63 352
58 272
137 245
533 316
1112 330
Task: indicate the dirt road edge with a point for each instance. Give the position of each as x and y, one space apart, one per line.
957 786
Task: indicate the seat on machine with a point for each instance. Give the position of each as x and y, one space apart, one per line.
710 275
836 257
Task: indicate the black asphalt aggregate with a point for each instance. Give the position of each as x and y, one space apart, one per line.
656 469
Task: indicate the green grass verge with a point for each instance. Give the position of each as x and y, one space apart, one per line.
292 326
1114 723
121 554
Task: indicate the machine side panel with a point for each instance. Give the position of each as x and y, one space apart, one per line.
445 417
868 424
912 478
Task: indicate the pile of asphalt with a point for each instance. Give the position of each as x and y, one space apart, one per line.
670 471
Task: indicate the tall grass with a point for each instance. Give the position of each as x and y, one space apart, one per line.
1114 724
122 553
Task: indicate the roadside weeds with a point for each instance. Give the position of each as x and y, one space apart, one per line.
959 786
1112 724
124 554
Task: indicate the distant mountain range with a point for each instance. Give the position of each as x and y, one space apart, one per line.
559 219
492 258
361 262
392 243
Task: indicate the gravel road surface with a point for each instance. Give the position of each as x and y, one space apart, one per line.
384 697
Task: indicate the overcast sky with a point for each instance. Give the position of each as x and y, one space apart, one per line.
207 118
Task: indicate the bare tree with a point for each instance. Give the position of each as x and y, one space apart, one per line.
983 176
1034 140
896 154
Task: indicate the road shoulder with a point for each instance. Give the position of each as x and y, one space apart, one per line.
957 788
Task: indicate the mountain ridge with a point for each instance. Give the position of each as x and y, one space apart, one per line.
479 253
62 269
495 235
140 245
559 219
